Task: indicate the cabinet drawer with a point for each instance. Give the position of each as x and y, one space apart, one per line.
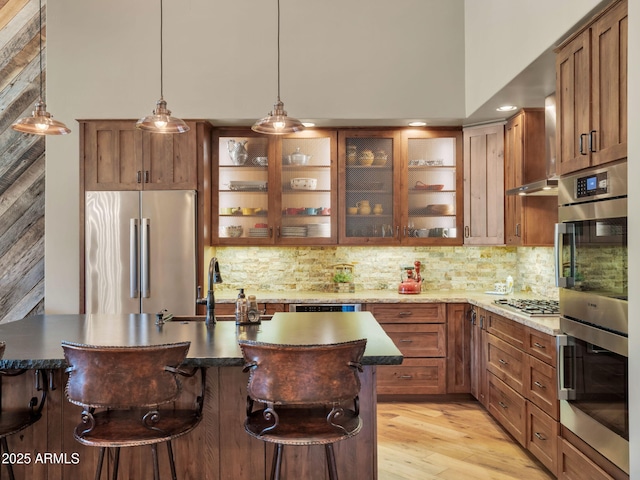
508 330
507 363
423 376
415 340
409 313
541 346
575 465
542 386
508 407
542 437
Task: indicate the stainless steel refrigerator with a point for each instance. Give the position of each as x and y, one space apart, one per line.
140 252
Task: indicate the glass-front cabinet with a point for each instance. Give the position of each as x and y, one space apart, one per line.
275 190
307 188
327 187
368 163
432 181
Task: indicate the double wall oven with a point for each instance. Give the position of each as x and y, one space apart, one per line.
591 271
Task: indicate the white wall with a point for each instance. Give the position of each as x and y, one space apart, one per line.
505 36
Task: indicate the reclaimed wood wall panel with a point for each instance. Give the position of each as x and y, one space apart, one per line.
22 162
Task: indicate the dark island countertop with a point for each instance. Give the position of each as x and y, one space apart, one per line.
34 342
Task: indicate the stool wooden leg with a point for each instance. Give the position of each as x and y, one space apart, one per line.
277 462
331 461
116 464
5 446
154 455
172 462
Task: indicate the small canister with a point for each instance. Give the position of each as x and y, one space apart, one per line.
241 308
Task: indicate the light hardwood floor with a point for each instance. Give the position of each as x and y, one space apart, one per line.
448 440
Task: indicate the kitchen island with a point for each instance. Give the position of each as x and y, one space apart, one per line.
218 448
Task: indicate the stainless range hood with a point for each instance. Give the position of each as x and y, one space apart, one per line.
548 186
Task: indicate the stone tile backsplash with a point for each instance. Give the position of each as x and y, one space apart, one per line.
379 268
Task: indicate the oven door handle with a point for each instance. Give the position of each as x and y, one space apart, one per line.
561 230
566 372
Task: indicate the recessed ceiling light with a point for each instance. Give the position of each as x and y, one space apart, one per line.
308 124
417 124
506 108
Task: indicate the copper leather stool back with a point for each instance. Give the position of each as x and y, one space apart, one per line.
309 395
120 390
15 420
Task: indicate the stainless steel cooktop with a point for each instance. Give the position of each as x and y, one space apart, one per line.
532 308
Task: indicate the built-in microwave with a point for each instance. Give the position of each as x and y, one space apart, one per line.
591 273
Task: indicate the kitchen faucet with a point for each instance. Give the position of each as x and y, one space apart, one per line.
209 300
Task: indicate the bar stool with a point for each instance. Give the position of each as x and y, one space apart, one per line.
15 420
308 395
120 390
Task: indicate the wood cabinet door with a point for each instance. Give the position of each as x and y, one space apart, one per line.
170 161
112 155
513 178
478 369
573 97
483 153
609 86
458 348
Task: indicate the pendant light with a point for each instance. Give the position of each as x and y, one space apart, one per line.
277 122
40 122
161 120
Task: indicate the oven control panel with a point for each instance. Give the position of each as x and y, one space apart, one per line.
595 184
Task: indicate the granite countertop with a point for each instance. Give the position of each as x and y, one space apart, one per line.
34 342
549 325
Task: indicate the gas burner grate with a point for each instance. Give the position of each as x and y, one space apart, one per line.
534 308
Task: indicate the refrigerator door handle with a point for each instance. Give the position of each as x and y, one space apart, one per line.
144 259
134 288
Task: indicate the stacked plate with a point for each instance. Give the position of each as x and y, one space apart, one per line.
318 230
294 231
258 232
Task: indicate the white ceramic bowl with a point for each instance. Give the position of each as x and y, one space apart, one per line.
232 231
304 183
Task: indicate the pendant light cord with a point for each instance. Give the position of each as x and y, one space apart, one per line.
161 54
41 89
278 50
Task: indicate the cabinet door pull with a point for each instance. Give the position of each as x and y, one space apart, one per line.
539 436
517 229
146 176
538 345
398 232
466 231
502 405
581 144
270 232
139 177
404 231
592 141
406 377
405 314
539 385
503 362
405 340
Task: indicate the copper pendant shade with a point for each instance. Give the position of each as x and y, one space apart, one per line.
277 122
40 122
161 120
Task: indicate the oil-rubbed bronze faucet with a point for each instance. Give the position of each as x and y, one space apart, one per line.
209 300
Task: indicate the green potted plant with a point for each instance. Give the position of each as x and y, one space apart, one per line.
343 282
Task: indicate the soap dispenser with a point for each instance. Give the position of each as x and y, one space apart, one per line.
241 308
